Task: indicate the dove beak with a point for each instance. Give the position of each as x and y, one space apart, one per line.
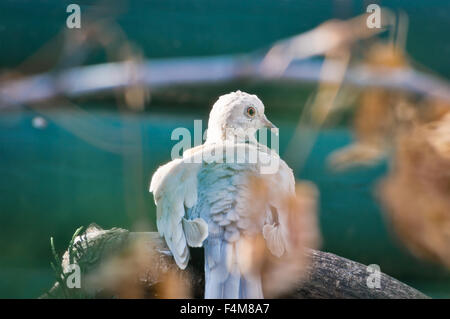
266 123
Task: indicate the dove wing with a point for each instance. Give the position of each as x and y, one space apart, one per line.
276 226
174 186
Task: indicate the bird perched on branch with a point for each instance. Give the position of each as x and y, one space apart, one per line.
212 197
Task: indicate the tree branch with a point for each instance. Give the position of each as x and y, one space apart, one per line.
329 276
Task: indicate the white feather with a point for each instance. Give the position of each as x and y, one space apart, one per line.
174 187
207 203
196 231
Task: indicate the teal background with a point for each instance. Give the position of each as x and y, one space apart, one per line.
171 28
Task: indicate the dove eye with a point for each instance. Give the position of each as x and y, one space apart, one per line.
251 111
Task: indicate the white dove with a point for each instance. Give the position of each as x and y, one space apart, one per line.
203 198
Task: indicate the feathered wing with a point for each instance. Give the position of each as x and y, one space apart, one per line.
174 186
229 207
275 229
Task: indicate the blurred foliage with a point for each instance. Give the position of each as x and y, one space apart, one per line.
190 28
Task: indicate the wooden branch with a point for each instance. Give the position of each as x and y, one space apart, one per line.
332 276
329 276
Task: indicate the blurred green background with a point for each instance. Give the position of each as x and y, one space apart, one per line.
94 163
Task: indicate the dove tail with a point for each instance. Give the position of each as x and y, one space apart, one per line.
221 282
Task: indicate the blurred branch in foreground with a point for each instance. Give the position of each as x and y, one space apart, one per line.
105 259
290 59
168 72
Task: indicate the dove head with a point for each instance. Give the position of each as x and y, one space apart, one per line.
236 115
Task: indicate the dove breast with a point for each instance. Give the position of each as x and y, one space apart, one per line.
223 198
224 195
